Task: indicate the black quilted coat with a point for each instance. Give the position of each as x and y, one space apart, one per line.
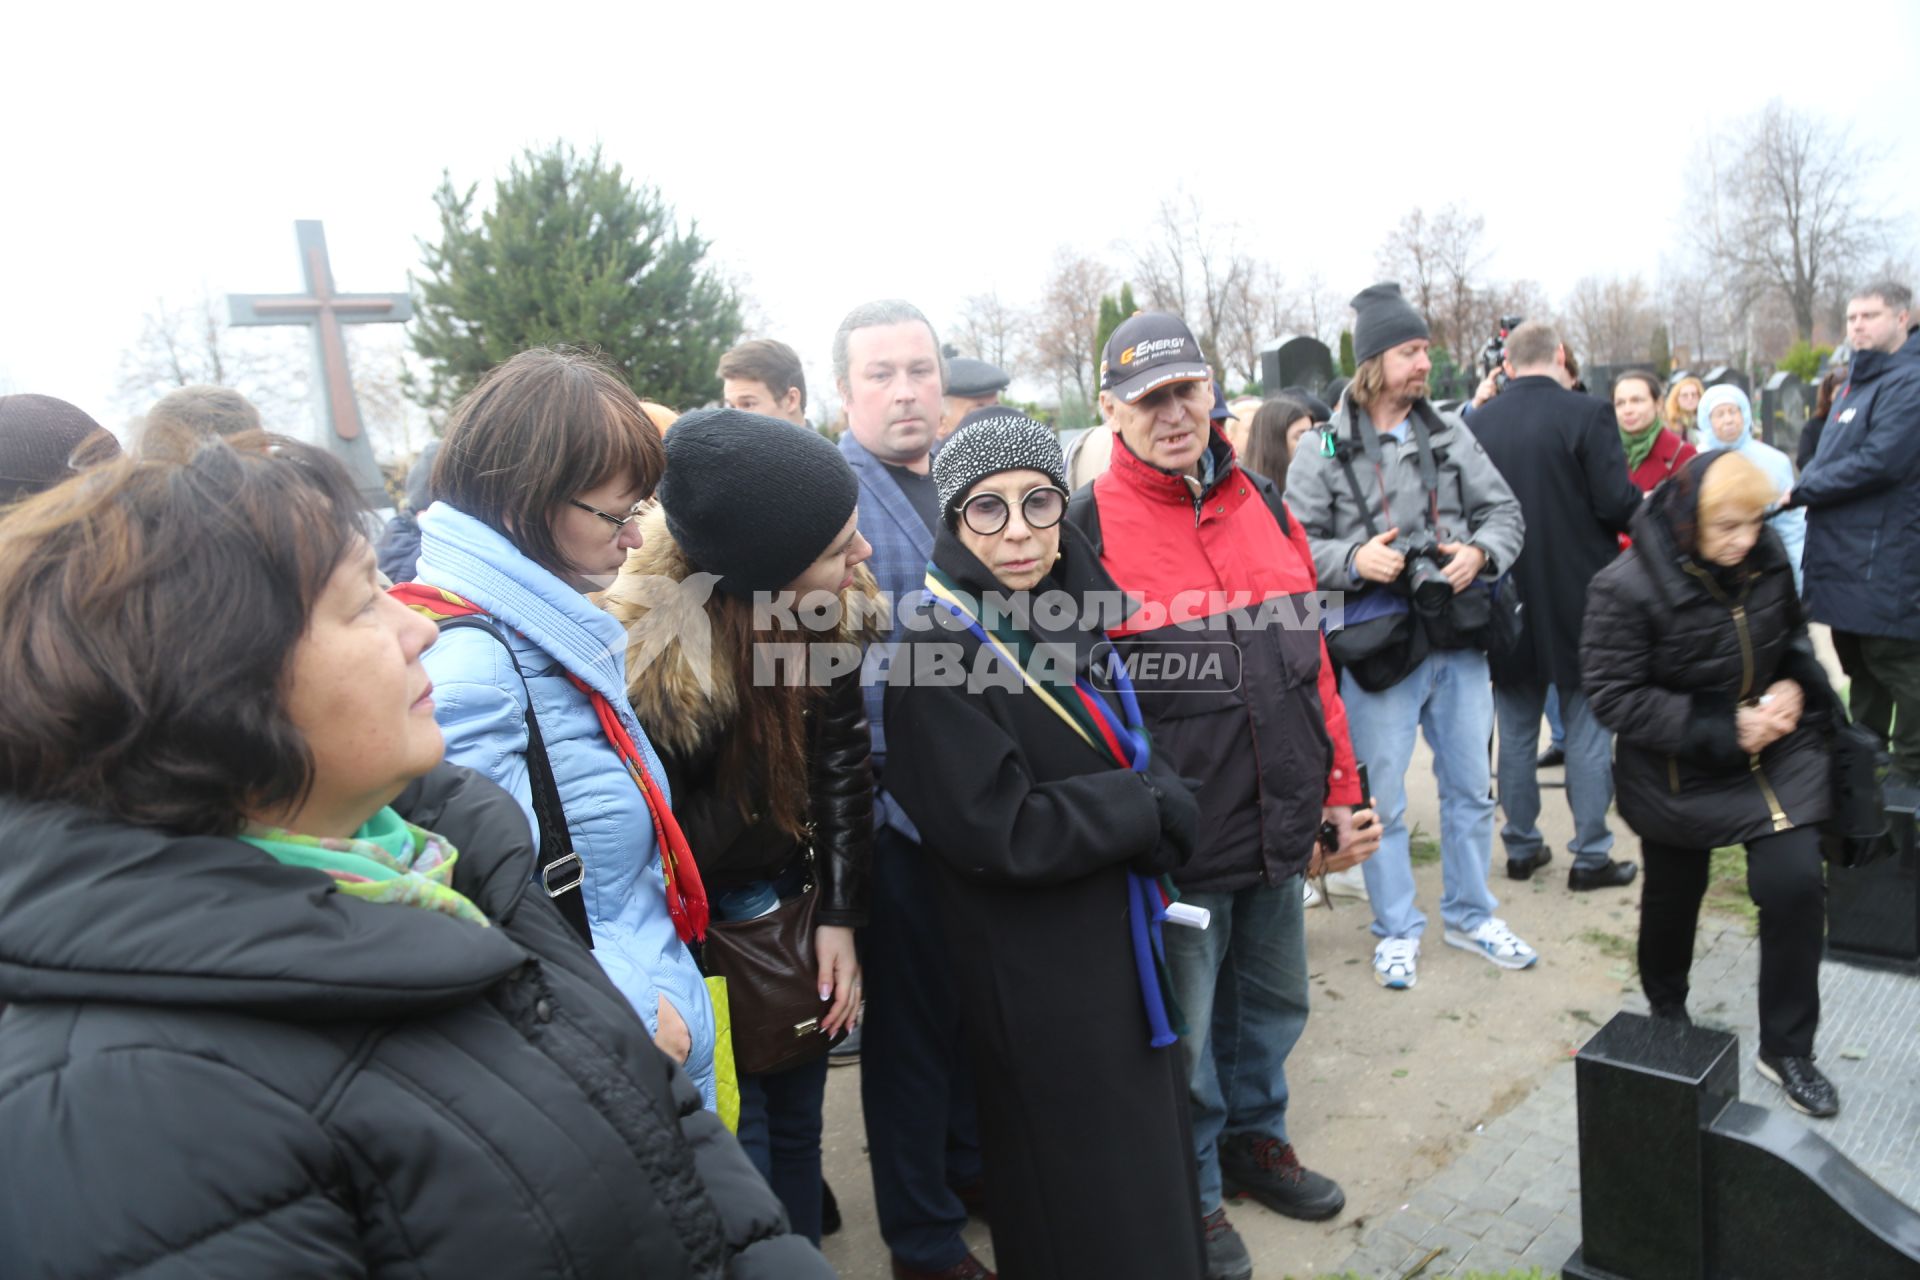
217 1066
1670 648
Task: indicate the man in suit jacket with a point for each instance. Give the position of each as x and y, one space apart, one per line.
1560 454
914 1086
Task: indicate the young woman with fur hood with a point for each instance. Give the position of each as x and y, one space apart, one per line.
742 570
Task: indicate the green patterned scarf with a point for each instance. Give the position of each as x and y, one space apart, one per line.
387 860
1639 446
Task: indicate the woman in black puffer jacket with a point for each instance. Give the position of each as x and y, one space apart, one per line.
1695 654
770 765
284 999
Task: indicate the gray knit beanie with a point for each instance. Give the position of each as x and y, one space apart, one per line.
987 442
1383 319
752 498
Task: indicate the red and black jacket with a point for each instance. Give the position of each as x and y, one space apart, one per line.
1227 658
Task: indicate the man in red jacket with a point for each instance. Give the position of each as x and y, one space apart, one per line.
1234 685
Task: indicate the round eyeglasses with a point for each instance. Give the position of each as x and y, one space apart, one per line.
618 522
987 513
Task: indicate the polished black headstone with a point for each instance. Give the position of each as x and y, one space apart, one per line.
1873 912
1296 362
1783 1202
1785 402
1727 376
1646 1087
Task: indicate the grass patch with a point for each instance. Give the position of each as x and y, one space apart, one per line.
1727 886
1422 849
1611 945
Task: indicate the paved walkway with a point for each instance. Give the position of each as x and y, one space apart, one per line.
1512 1197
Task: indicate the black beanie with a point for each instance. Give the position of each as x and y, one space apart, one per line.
987 442
752 498
40 443
1383 319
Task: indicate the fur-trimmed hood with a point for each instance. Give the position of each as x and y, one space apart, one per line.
682 689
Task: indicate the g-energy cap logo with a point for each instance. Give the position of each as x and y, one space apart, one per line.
1150 348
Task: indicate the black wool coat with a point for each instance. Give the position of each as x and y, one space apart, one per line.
216 1065
1670 649
1084 1126
1559 452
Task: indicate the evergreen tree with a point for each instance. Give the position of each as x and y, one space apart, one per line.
571 252
1112 312
1347 364
1662 351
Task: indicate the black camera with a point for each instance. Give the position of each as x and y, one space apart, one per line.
1421 579
1494 354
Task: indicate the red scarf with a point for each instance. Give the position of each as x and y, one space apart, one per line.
686 895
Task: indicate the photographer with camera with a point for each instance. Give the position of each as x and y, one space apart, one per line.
1561 454
1405 511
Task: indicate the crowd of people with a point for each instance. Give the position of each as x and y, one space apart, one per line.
537 861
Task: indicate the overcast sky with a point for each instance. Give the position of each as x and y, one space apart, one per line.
837 152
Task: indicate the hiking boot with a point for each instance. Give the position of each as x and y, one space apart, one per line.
1396 963
968 1268
1227 1256
1808 1092
1267 1169
1495 943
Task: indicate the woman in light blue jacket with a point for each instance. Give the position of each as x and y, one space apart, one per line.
543 466
1726 422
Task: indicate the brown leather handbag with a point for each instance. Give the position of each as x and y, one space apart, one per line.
772 1002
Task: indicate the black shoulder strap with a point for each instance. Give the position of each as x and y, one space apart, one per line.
1083 511
1343 454
561 871
1270 493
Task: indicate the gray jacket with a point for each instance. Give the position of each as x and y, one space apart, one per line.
1474 503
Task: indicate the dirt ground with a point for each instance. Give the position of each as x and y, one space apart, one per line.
1385 1085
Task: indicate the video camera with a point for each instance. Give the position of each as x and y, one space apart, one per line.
1494 354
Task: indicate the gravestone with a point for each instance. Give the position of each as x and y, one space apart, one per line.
1873 912
1785 402
324 310
1680 1180
1300 361
1727 376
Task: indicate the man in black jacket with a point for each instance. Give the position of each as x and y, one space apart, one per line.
1862 494
1560 454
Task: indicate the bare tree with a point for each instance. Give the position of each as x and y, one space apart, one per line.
1784 210
1611 321
1262 310
988 329
1193 268
1322 311
1438 261
1066 326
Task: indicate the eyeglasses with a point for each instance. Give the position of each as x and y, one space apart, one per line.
1041 508
618 522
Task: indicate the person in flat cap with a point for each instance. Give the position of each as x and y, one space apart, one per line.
763 772
1179 524
1409 517
971 384
1047 827
44 441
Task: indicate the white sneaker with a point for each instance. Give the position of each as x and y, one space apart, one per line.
1496 942
1351 883
1396 963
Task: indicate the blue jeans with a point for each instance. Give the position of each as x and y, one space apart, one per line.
1589 749
780 1130
1449 697
1556 728
1242 985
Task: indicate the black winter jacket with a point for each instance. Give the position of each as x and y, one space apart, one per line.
217 1066
1670 649
1862 495
688 720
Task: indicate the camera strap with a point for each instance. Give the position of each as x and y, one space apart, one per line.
1368 439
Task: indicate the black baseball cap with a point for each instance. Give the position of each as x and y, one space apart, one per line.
1149 350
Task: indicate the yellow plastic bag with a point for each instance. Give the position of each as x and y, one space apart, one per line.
726 1081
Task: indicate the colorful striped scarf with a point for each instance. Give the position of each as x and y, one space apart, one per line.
387 860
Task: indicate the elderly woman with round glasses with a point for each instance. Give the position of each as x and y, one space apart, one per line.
544 468
1050 826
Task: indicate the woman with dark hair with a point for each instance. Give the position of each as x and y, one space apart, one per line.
772 779
1274 434
537 490
284 1000
1695 653
1049 826
1653 452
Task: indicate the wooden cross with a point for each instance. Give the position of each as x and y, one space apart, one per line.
324 311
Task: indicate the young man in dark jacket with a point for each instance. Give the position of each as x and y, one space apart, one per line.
1254 719
1560 453
1862 494
1391 472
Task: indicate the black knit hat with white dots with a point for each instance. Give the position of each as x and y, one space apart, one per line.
987 442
